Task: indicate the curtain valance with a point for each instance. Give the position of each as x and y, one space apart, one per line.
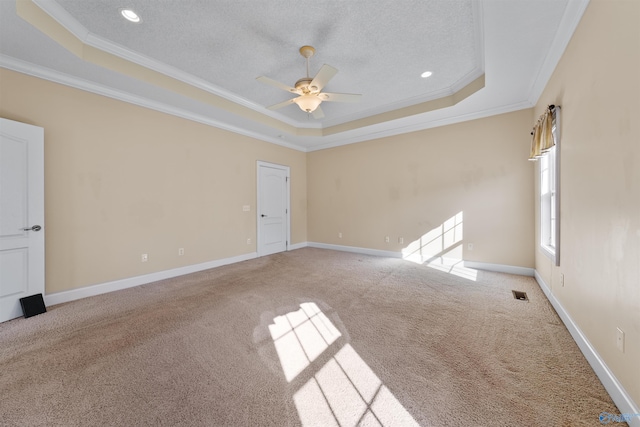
542 134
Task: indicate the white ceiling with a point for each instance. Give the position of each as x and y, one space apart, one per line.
379 47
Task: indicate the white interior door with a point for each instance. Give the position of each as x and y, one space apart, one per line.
273 208
21 215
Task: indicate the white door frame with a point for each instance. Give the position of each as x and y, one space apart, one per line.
287 169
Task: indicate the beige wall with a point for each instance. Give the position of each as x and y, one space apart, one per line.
407 185
122 180
597 85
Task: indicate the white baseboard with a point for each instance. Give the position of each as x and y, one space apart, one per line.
297 246
116 285
500 268
354 249
102 288
522 271
618 394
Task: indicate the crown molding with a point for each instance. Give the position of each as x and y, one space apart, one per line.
88 86
60 15
358 135
465 80
423 125
568 24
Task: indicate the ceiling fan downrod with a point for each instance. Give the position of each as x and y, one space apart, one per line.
307 52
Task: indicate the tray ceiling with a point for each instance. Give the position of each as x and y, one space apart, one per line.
199 59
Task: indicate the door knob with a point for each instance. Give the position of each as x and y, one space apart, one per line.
263 216
34 228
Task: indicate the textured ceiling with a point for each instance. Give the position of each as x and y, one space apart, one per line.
230 43
379 47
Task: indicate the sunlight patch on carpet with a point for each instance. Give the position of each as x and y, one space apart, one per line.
300 337
344 391
451 262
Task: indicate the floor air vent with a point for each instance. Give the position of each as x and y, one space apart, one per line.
519 295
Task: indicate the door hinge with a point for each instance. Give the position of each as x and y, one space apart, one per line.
287 179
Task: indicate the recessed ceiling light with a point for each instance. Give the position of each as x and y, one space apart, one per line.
426 74
130 15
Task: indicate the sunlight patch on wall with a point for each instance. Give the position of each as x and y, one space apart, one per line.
344 391
451 262
441 248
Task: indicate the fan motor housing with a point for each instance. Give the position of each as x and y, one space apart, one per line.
304 85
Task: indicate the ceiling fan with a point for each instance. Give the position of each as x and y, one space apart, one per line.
310 89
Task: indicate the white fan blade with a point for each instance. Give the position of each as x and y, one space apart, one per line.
325 74
277 84
318 113
340 97
281 104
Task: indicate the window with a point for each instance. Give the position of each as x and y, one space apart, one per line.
549 202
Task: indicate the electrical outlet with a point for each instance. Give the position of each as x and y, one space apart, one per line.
562 279
180 251
386 239
469 246
401 240
620 339
144 258
246 208
339 235
248 241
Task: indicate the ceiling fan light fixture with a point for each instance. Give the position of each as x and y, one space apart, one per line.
130 15
308 103
309 89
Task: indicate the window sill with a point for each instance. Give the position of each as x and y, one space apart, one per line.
549 253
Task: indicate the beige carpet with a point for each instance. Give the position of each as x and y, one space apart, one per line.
308 337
